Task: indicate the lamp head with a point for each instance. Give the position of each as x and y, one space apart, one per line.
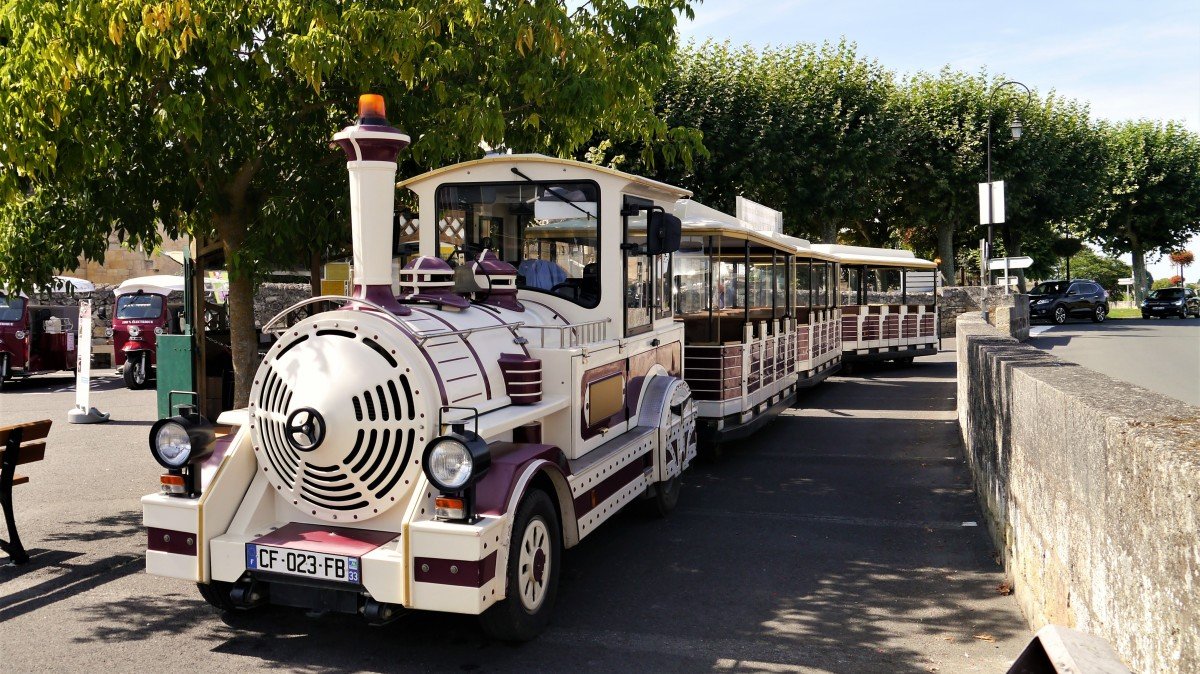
1016 127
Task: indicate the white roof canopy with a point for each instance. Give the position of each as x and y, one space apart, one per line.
156 285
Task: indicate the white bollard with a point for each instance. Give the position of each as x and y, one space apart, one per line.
82 413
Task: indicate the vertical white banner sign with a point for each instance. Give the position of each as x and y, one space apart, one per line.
83 356
991 213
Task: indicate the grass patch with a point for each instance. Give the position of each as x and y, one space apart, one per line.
1125 312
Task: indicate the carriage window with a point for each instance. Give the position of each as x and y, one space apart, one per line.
639 274
883 285
820 284
849 285
803 278
762 284
12 309
549 231
919 286
134 307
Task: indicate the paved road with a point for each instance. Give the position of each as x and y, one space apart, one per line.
833 541
1162 355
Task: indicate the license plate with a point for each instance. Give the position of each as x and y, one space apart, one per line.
319 565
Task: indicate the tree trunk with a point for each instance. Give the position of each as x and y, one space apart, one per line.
945 250
829 232
1139 272
243 337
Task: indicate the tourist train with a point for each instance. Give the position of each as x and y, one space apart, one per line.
545 343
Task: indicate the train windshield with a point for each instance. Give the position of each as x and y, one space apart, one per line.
549 231
12 309
135 307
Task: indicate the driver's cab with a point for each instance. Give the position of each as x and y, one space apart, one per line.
582 238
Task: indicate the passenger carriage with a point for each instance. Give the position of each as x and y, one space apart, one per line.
760 319
888 303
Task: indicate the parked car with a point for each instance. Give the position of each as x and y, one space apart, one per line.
1059 300
1181 302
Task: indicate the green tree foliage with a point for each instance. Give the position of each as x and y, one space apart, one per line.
1102 269
804 129
211 117
1151 199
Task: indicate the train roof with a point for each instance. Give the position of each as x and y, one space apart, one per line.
886 257
669 191
700 219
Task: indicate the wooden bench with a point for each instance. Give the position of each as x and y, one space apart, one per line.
22 443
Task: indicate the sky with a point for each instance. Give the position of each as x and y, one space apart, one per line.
1127 60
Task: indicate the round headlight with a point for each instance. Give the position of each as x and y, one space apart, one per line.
108 332
134 331
19 334
171 445
158 330
449 464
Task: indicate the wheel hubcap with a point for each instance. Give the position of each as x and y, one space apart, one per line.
531 569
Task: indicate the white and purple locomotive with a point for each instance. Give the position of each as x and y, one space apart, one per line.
437 441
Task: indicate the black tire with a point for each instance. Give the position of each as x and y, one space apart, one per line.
524 613
216 593
1145 317
907 360
1059 315
666 497
3 372
1099 313
135 373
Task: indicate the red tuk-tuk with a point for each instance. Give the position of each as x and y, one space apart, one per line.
38 338
142 312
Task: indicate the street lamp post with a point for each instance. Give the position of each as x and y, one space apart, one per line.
1016 127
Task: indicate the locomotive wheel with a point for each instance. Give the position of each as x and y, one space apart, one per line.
216 593
135 373
534 560
666 496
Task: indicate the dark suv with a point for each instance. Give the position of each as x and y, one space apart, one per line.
1181 302
1058 300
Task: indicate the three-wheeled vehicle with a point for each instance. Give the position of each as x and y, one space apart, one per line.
36 337
142 313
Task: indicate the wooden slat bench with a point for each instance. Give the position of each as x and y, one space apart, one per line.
22 443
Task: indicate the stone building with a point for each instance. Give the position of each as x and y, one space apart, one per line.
121 263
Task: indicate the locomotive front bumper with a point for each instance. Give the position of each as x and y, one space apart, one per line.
443 566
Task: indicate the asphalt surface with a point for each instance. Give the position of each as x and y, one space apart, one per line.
838 539
1161 354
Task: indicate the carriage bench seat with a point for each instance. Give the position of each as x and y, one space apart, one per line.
21 443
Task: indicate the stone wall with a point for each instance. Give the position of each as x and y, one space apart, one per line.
954 301
121 263
1091 489
1013 318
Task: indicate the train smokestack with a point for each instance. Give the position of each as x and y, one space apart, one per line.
371 146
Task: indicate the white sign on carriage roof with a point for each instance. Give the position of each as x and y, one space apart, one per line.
758 217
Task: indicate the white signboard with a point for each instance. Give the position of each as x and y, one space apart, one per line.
83 356
1021 262
995 214
1125 281
759 217
1007 280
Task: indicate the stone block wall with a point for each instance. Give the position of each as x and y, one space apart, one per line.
954 301
1091 489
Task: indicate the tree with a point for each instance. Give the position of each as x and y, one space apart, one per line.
1102 269
212 119
1151 186
804 129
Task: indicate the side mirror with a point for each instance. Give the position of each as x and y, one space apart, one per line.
663 233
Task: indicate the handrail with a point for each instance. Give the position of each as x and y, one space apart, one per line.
592 331
423 337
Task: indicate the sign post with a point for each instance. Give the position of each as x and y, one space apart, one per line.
83 412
